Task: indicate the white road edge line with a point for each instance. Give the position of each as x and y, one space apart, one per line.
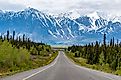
42 69
85 67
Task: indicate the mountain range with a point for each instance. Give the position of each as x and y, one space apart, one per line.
62 29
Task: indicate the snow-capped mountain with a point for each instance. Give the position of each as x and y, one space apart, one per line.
66 28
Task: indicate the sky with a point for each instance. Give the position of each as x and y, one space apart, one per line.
58 6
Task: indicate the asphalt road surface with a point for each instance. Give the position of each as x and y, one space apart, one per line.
62 69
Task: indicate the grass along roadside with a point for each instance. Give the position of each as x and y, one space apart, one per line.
83 62
14 60
37 62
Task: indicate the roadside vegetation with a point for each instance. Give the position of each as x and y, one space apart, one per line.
103 57
22 54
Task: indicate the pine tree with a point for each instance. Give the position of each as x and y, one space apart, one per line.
101 54
8 35
23 37
90 55
13 35
1 36
104 47
111 42
97 53
85 51
104 40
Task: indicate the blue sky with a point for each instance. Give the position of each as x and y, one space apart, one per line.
57 6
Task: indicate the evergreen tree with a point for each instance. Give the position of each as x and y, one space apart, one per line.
8 35
23 37
104 47
13 35
111 42
1 36
96 53
104 40
101 54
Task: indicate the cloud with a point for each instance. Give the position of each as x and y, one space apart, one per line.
7 5
58 6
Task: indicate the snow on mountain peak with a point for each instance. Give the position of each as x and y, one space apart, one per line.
74 14
93 15
30 9
65 26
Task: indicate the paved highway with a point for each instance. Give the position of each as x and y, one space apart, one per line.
62 69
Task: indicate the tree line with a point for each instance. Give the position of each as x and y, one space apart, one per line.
25 42
101 54
18 53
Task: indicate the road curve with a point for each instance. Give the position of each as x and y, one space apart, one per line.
62 69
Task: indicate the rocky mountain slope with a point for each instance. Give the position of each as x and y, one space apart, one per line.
65 29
